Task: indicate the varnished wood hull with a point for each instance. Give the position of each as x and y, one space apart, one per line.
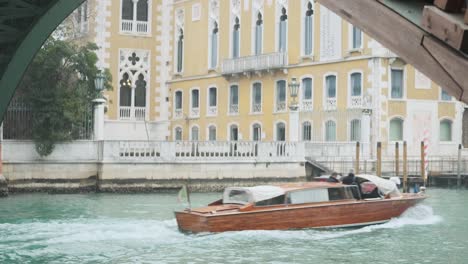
339 214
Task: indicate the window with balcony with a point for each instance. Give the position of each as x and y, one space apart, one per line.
214 39
132 98
396 129
330 130
330 86
257 98
280 102
307 131
236 38
397 83
355 130
212 133
309 29
194 133
256 132
178 111
444 96
135 17
212 101
233 132
283 31
280 131
307 99
356 90
259 34
234 99
446 130
178 134
180 50
195 103
356 38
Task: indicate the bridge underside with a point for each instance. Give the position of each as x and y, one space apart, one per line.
24 27
397 24
26 24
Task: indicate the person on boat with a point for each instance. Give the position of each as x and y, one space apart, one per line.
351 180
333 177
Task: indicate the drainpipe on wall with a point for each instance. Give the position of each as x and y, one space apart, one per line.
3 182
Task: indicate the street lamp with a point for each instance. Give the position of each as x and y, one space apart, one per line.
293 91
99 82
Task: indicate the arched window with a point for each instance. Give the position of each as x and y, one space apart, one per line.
234 99
445 130
180 50
142 10
178 100
308 29
195 98
283 30
195 133
330 82
256 132
178 134
280 132
356 38
214 46
212 133
355 130
280 96
135 16
396 129
307 100
330 130
140 92
236 38
127 9
307 131
125 91
234 132
257 98
213 97
356 84
397 83
259 34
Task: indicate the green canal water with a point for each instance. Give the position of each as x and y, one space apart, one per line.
106 228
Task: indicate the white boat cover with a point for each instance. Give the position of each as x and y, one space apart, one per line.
256 194
387 187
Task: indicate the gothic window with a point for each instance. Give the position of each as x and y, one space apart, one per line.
125 91
282 30
355 130
308 29
127 9
142 10
396 129
259 34
307 131
356 84
135 16
236 38
140 91
330 130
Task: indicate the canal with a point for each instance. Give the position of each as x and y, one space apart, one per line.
140 228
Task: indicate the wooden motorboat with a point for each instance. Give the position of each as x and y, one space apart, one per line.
372 200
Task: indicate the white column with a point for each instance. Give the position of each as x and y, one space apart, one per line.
366 133
134 29
294 125
99 118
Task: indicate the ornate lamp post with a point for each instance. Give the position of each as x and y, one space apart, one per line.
293 113
99 107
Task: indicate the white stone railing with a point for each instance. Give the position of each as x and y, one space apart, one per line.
212 111
234 109
356 102
319 150
255 63
132 113
134 27
307 105
330 104
195 112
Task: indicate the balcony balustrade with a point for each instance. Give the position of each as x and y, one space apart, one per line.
135 27
307 105
330 104
132 113
234 109
195 112
262 62
212 111
356 102
280 106
256 108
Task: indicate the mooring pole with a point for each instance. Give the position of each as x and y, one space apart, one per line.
405 167
397 159
356 167
458 167
423 162
379 159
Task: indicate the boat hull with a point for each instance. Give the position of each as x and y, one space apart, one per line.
339 214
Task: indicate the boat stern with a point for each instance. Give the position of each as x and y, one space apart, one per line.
191 222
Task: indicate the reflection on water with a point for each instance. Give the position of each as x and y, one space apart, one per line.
141 229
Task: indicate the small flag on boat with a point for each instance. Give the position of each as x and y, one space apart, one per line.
184 195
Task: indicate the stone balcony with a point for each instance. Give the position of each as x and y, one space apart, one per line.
256 63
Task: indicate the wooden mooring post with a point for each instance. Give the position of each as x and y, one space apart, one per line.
397 159
405 167
423 162
379 159
458 166
358 151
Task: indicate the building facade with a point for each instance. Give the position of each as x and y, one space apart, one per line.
220 70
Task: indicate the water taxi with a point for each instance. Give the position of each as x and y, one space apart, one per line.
372 200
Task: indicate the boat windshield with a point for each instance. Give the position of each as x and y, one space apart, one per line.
238 196
321 195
